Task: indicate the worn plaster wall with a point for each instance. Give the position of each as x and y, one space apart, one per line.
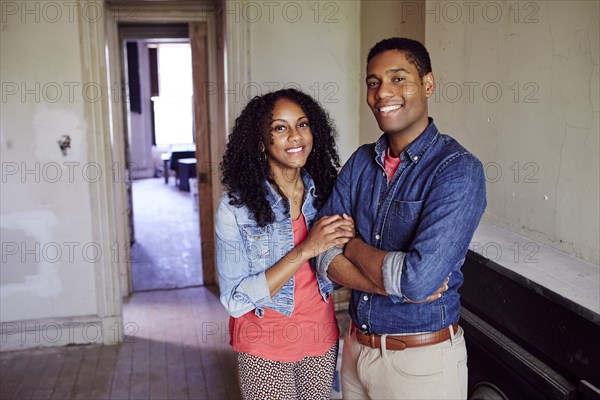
50 250
313 46
518 84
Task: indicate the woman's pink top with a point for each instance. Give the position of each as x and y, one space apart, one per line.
311 330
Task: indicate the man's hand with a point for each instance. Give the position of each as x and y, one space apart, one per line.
434 296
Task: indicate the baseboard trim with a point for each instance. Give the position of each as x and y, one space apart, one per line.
20 335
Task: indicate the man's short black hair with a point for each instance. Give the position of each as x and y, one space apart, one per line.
416 53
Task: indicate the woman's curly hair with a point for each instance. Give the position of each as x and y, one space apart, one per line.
244 164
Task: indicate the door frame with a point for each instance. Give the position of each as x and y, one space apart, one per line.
204 14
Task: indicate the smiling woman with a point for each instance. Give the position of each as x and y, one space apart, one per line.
288 144
278 169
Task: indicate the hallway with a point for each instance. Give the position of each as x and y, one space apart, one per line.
176 347
166 252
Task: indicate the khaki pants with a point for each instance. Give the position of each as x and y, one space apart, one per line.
431 372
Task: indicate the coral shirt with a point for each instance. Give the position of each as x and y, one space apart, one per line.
311 330
391 164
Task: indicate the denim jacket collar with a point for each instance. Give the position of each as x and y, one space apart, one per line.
415 150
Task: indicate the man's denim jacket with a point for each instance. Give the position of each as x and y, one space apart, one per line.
424 218
245 251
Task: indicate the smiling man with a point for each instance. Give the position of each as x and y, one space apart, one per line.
416 196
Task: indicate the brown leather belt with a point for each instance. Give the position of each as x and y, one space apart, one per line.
405 341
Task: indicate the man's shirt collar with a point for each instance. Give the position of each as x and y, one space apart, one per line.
413 151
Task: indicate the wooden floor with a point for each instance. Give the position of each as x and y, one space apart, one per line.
176 348
166 252
176 344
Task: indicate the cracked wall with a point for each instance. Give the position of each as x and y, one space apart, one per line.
45 220
518 85
312 46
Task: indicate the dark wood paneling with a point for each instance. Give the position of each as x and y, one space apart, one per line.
551 328
198 37
496 359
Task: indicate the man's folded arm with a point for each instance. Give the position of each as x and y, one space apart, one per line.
334 266
386 269
448 220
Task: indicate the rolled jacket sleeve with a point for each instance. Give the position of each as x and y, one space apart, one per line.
324 260
393 263
241 291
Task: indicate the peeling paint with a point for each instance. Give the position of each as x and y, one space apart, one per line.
39 225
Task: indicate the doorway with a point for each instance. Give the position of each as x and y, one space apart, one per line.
164 218
202 30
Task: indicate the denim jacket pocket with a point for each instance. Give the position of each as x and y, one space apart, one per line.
257 246
402 223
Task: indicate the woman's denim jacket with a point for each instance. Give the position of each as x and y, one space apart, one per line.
245 251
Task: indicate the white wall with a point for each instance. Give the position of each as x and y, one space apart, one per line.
381 19
313 46
518 86
50 246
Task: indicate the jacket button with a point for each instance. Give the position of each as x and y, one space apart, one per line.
364 326
377 237
365 297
